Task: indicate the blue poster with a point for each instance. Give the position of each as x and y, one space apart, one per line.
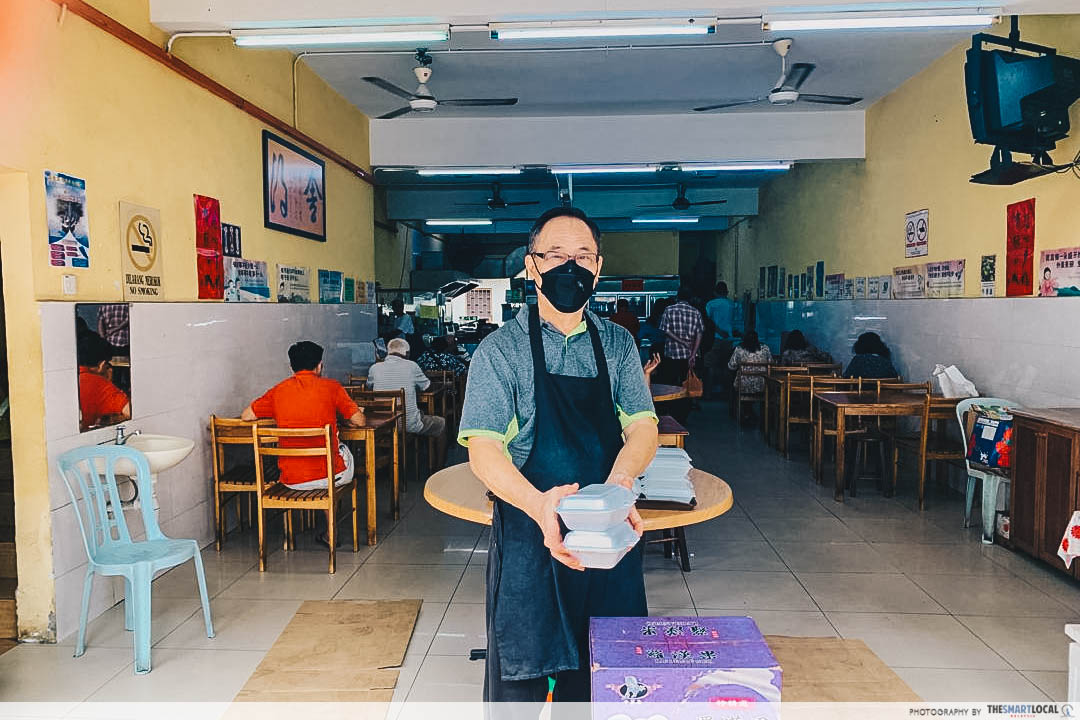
69 230
330 282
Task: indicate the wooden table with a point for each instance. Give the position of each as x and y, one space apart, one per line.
664 393
671 433
376 422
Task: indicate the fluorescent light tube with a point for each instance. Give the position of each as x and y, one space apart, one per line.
664 220
601 29
451 221
430 172
735 166
595 169
867 21
342 36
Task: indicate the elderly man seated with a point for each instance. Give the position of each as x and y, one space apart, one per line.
397 372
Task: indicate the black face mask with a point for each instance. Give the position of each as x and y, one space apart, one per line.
568 286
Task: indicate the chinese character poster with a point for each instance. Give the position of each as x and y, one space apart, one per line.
1059 272
1019 248
69 229
909 282
246 281
294 189
208 262
294 285
945 279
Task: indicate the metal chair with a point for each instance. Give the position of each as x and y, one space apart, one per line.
109 547
991 477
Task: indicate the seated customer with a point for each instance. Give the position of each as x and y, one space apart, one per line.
308 400
100 402
797 350
871 359
439 358
624 317
397 372
750 350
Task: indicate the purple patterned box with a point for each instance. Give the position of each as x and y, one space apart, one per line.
721 661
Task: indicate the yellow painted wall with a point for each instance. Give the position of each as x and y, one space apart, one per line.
919 155
78 101
640 253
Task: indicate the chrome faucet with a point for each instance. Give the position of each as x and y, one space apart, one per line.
121 438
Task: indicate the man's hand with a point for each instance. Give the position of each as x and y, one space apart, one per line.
548 519
634 518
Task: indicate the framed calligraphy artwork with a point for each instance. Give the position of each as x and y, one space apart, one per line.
294 189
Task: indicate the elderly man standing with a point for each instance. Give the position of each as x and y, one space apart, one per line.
556 400
397 371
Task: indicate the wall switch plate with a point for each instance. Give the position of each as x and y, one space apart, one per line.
70 287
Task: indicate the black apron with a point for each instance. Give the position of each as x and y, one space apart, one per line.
539 609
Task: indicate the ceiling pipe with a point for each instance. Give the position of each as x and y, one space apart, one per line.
193 34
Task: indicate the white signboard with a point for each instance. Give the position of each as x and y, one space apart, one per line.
917 233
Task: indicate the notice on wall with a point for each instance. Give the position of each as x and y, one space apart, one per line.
909 282
1059 272
230 240
348 290
365 292
761 283
781 278
819 279
988 275
873 288
808 289
771 287
917 233
330 282
860 288
945 279
294 284
834 286
246 281
1019 247
208 261
140 229
849 288
69 228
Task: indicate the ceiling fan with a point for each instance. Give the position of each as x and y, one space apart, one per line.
681 203
496 201
422 101
786 90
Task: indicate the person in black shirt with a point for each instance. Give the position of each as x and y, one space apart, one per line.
871 359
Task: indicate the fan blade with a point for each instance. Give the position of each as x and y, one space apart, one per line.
395 113
830 99
478 102
471 204
665 205
523 202
736 103
797 76
390 87
709 202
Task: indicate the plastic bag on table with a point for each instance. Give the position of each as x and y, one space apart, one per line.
952 383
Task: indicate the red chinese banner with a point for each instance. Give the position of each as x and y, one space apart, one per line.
1020 248
208 262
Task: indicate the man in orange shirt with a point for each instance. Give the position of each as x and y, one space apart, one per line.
100 402
308 400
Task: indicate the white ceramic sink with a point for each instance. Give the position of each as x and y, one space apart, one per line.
163 452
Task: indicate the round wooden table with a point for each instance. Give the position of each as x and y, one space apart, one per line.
663 393
458 492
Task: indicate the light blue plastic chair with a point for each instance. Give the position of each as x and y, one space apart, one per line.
109 546
991 482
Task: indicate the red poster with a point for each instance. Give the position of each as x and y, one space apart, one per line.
1020 248
208 261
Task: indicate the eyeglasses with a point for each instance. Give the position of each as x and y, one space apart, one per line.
555 258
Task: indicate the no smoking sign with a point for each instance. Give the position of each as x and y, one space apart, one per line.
917 233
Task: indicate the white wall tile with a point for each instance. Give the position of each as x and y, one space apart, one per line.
62 401
57 336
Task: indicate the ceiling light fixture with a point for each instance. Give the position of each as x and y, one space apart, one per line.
598 169
735 166
432 172
982 17
664 220
560 30
452 221
373 35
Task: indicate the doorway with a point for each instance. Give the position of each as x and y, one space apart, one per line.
8 627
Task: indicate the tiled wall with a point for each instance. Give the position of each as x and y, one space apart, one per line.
188 360
1023 349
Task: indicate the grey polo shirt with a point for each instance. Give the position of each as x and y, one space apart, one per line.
499 399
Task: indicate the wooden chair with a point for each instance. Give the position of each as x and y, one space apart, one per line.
796 406
355 380
446 379
820 428
824 368
389 401
277 495
777 373
919 441
744 375
238 481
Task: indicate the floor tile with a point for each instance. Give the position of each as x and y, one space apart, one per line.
906 640
462 629
427 623
180 581
734 555
865 592
667 588
239 624
857 557
183 674
987 595
769 506
723 529
473 585
278 583
878 530
970 686
424 550
1026 643
425 520
671 612
792 623
920 559
1054 685
812 529
380 582
41 673
107 629
448 679
737 590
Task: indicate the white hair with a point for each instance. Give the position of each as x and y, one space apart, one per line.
398 346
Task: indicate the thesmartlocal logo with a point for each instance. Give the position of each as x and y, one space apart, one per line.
1031 710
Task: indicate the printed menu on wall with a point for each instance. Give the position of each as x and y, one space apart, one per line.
909 282
1019 247
1059 272
208 248
945 279
246 281
330 282
294 284
69 228
140 229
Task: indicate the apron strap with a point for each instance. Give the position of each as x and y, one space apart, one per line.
601 360
536 342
